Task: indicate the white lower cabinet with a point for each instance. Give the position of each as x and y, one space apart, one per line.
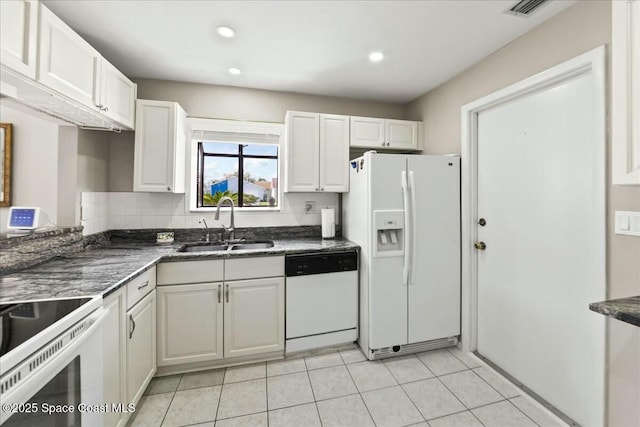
237 310
189 323
113 356
141 346
253 316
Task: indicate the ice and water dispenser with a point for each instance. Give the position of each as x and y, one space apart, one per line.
389 233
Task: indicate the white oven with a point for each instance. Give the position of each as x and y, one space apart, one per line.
51 367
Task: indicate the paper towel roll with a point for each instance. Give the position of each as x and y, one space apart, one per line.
328 223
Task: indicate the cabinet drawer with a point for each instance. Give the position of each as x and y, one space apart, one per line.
253 268
140 286
174 273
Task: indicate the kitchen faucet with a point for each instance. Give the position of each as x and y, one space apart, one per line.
231 229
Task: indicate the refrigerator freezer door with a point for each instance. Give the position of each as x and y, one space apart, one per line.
387 296
434 290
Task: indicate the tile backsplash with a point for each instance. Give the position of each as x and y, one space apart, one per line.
118 210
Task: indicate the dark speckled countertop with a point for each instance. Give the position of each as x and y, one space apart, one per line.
102 271
625 309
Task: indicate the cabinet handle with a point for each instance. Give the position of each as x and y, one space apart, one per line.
322 189
144 286
106 108
227 293
219 293
100 106
168 188
133 326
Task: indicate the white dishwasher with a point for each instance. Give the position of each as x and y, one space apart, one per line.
321 300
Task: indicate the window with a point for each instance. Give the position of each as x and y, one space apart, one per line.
237 159
220 166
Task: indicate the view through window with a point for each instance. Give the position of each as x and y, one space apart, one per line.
248 173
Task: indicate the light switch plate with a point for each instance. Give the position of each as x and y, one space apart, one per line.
628 223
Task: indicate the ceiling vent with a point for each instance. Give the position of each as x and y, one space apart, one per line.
525 7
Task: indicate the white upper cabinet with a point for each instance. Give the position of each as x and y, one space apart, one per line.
49 67
334 153
66 62
625 92
369 132
19 36
302 151
317 152
401 134
117 98
160 143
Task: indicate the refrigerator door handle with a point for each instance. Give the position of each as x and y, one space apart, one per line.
412 189
407 230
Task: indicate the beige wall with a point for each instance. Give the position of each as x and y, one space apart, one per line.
578 29
227 102
34 172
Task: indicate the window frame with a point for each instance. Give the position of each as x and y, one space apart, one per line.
240 156
259 129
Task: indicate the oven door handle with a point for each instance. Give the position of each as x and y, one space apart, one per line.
25 389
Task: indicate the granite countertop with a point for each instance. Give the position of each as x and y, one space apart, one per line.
102 271
625 309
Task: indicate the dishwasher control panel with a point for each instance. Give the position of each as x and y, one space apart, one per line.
320 263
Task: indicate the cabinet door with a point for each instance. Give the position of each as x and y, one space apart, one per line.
253 316
189 323
117 95
19 36
302 155
67 63
141 346
334 153
155 146
113 355
367 132
401 134
625 92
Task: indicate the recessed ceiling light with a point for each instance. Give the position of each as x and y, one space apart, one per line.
226 32
376 56
235 71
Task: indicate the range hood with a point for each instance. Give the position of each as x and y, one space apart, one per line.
42 99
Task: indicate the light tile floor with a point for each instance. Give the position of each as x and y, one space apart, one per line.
438 388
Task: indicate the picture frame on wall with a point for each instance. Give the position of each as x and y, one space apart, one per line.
5 164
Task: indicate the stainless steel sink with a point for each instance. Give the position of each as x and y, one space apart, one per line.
202 247
252 245
209 247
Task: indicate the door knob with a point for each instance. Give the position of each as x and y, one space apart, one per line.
480 246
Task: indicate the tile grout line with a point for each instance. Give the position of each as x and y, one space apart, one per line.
490 385
360 393
166 412
315 402
266 391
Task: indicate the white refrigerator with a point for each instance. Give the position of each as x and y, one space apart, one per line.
404 212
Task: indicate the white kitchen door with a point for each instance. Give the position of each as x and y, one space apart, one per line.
541 195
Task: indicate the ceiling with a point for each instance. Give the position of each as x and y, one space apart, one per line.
314 47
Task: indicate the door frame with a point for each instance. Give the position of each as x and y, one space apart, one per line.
591 61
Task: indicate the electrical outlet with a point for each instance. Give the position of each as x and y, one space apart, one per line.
310 207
